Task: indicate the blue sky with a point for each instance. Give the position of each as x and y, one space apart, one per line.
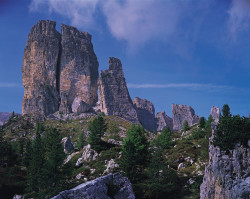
192 52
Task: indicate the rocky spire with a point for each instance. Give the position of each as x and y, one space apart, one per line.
215 113
113 92
40 68
163 120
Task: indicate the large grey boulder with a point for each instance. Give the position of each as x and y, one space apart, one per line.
113 93
227 176
146 113
67 144
163 121
180 113
87 155
215 113
110 186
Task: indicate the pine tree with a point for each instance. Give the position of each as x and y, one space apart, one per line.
164 140
185 126
80 141
97 129
27 154
202 122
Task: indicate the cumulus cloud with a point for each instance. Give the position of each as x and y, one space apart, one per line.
239 17
192 86
79 12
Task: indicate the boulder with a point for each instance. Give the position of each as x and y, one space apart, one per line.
113 93
87 155
163 120
180 113
67 144
110 166
146 113
106 187
40 69
215 113
226 176
78 68
79 106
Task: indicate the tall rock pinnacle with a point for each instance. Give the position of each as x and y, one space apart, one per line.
39 69
113 92
79 68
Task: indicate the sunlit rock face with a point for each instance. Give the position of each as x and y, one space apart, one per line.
215 113
180 113
163 121
113 92
78 68
40 68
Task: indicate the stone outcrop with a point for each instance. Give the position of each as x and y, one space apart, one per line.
113 92
57 68
119 186
67 145
79 106
78 68
227 175
87 155
215 113
163 120
180 113
146 113
4 117
40 69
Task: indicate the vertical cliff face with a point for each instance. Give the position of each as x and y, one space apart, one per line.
180 113
78 68
215 113
39 69
163 120
113 92
227 176
146 113
58 68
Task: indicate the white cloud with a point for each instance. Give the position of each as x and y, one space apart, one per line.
9 85
79 12
239 17
193 86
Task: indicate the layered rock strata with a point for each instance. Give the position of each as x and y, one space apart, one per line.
57 68
227 175
100 188
163 121
40 69
113 92
146 113
215 113
180 113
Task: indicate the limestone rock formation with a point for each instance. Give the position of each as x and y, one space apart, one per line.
4 117
67 145
146 113
163 120
79 106
215 113
100 188
78 68
227 176
40 69
87 155
180 113
113 92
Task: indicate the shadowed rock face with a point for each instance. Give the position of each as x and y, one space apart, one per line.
163 120
180 113
227 176
146 113
57 69
39 69
113 92
78 68
215 113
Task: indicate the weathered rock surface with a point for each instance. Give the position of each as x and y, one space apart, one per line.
67 144
110 166
227 176
87 155
146 113
4 117
163 120
180 113
100 188
78 68
79 106
215 113
113 92
40 69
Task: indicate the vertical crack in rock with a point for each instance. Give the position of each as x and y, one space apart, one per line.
41 53
78 69
113 92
